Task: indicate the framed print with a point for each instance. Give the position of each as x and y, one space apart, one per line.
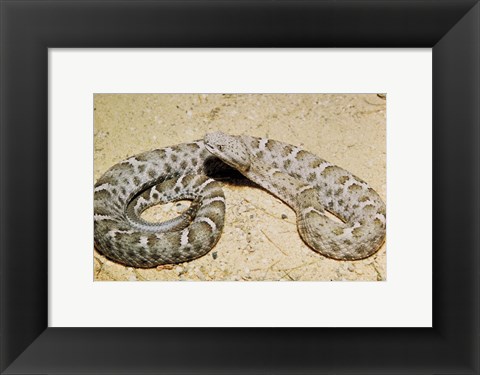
387 90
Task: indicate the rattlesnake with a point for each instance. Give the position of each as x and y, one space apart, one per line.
305 182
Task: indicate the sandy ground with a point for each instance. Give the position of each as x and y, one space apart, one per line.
260 239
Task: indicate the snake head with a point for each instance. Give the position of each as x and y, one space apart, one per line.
228 148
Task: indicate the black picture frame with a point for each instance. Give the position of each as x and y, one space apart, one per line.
29 28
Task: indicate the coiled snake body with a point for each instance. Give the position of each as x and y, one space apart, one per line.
307 183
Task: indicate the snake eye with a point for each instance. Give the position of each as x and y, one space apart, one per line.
220 147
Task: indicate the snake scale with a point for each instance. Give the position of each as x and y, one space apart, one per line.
308 184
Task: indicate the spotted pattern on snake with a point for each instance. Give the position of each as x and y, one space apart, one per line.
310 185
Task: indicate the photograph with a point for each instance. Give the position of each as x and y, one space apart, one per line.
240 187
